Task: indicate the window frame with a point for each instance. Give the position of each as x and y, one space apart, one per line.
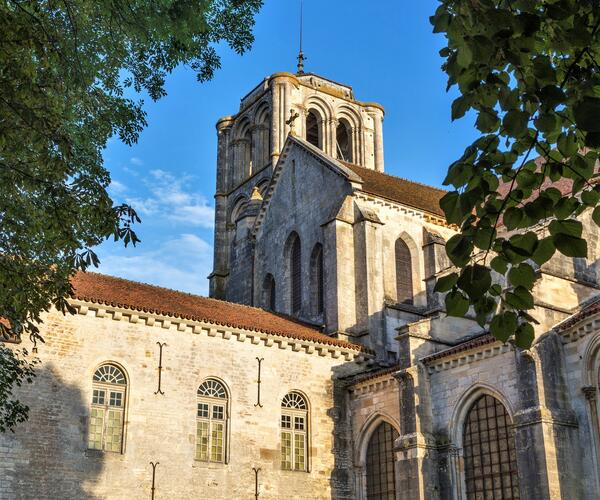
293 432
385 426
469 464
405 288
108 388
212 402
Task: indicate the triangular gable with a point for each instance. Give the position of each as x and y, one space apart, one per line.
293 141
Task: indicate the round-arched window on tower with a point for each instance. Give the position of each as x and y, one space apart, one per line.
343 137
313 130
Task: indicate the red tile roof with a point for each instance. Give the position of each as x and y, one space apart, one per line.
403 191
585 312
118 292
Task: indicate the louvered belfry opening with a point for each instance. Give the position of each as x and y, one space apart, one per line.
404 284
489 452
343 141
296 274
381 481
317 279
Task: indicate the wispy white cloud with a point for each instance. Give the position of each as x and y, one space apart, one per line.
117 187
181 263
171 199
134 160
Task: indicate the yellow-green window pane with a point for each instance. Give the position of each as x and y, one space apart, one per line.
299 459
95 429
114 431
216 447
202 440
286 450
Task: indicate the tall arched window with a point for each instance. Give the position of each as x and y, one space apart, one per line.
381 480
343 137
247 146
317 279
109 388
404 284
268 298
295 265
211 422
489 452
294 432
313 130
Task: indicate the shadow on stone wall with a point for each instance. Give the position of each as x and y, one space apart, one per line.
46 457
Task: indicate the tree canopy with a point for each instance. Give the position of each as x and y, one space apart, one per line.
529 70
68 70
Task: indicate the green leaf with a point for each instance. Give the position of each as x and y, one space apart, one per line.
445 283
590 197
499 265
522 275
524 335
456 304
569 227
596 215
475 280
567 144
484 237
513 217
520 298
465 56
460 107
571 246
450 204
544 251
503 325
459 250
515 123
586 113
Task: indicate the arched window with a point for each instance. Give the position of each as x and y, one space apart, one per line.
211 422
317 275
268 298
247 153
381 480
109 387
294 432
404 285
295 265
313 130
489 452
343 137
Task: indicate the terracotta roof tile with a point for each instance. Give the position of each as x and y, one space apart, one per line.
403 191
587 311
118 292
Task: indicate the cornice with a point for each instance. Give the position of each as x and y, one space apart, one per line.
178 324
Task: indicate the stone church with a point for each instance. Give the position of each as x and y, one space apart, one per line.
323 365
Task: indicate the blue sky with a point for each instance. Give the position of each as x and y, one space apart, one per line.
384 49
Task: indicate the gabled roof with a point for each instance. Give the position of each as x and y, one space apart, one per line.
412 194
125 294
592 307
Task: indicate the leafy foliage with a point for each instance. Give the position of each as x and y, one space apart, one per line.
15 369
529 69
66 69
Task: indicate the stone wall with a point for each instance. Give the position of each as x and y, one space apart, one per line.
47 456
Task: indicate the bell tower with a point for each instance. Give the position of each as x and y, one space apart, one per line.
325 113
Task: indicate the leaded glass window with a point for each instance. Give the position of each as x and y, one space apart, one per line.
404 284
107 413
489 452
211 422
294 432
381 481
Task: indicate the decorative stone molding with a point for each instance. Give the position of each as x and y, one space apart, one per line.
467 357
306 346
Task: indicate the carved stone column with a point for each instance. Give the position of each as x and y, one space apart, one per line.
591 395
